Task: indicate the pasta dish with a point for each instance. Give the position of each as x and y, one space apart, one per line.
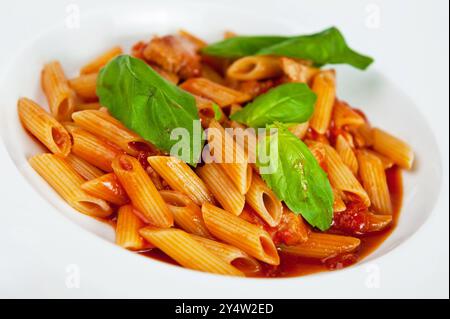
235 158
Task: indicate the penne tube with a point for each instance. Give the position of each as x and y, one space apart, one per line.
188 252
60 96
376 222
107 187
299 130
255 68
207 112
92 149
142 192
127 229
321 246
104 125
88 106
85 86
393 148
374 180
230 155
220 94
199 43
83 168
387 162
324 85
186 214
232 255
265 203
96 64
338 202
318 151
297 71
344 115
362 135
67 183
181 177
221 186
239 233
44 127
211 74
341 177
346 153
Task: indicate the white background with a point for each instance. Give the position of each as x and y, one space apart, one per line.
35 253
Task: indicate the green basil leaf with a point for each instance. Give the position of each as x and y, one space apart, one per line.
217 112
237 47
297 177
286 103
326 47
148 104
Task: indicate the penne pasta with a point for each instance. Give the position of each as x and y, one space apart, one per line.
92 149
325 87
239 233
212 75
299 130
44 127
297 71
344 115
181 177
221 186
60 96
321 246
127 229
105 126
67 183
341 177
142 192
83 168
338 202
230 156
88 106
393 148
374 180
96 64
377 222
346 153
107 187
362 135
199 43
85 86
232 255
220 94
188 252
387 162
255 68
265 203
186 214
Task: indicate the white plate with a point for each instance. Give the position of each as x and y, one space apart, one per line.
48 256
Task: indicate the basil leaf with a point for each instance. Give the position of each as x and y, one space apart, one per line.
237 47
287 103
297 178
217 112
147 104
326 47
